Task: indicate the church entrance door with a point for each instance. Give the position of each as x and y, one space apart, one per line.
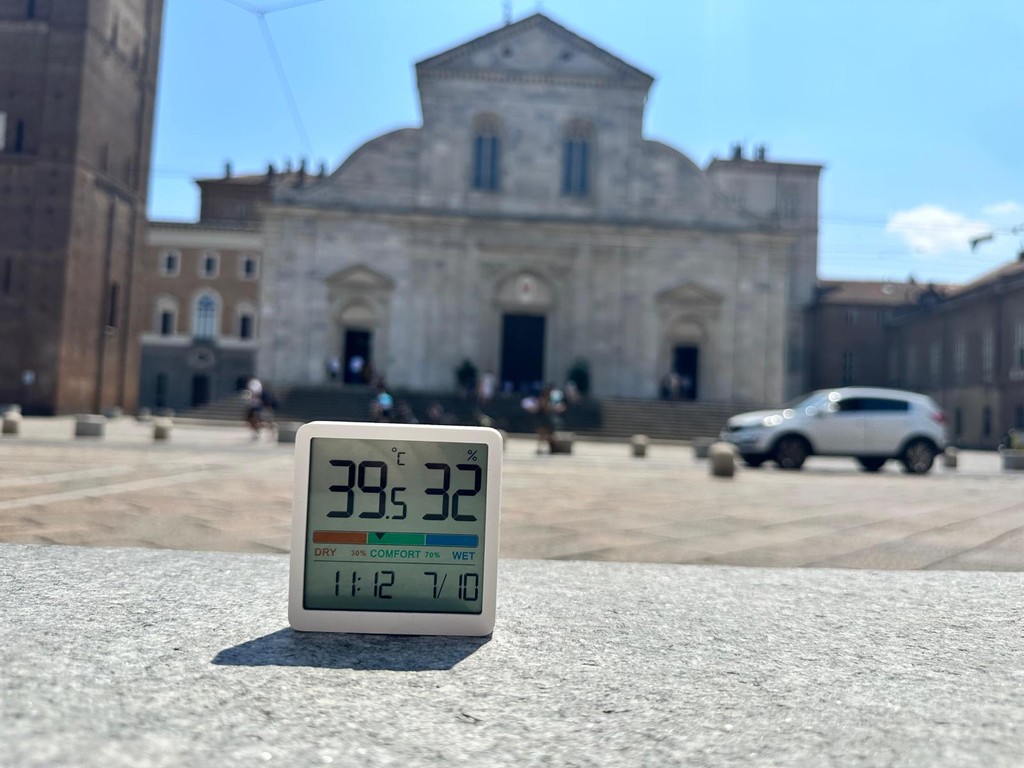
522 351
357 356
686 364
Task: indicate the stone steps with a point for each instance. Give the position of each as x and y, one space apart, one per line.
612 418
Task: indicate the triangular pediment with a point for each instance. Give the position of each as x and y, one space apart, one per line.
689 294
535 49
359 277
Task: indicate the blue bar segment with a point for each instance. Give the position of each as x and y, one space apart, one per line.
452 540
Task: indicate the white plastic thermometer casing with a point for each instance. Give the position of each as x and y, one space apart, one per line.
395 529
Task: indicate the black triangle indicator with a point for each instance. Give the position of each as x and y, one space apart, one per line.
379 536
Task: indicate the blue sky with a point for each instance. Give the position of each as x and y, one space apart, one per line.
915 108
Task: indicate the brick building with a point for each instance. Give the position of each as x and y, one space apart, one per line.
847 325
198 294
77 89
961 344
967 351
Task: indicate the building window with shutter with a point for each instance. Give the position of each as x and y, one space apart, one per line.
912 367
577 150
248 267
960 359
165 317
170 263
988 355
935 364
848 370
209 264
487 153
245 322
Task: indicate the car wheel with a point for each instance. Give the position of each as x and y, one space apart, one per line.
753 459
871 463
791 452
918 457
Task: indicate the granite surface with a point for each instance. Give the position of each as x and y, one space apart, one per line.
130 657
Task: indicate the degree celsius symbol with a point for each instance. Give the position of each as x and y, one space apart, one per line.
398 457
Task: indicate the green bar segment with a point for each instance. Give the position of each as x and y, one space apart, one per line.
407 539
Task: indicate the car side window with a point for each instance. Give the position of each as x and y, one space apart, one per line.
850 405
885 404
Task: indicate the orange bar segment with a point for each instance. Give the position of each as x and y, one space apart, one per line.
339 537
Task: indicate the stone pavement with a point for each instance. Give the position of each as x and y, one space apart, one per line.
145 658
213 488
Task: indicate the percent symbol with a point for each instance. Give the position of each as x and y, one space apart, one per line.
472 455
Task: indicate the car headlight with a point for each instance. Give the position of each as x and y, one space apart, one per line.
771 421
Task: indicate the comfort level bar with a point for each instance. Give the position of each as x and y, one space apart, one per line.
466 541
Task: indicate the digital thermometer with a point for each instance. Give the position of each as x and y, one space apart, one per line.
395 529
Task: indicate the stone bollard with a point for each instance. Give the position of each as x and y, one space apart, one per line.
162 429
286 431
561 442
949 457
723 460
1013 459
701 446
639 445
12 423
90 425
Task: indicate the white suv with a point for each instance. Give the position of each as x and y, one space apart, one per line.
871 424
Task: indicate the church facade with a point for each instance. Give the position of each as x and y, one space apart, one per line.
528 226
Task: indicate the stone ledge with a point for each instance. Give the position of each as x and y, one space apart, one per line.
136 657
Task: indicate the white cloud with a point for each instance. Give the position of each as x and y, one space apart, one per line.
934 230
1006 208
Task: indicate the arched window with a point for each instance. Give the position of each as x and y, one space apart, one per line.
207 317
577 150
486 153
245 321
165 318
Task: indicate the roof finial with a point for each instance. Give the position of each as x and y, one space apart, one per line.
506 7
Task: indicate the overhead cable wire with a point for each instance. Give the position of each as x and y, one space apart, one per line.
261 14
293 105
287 5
